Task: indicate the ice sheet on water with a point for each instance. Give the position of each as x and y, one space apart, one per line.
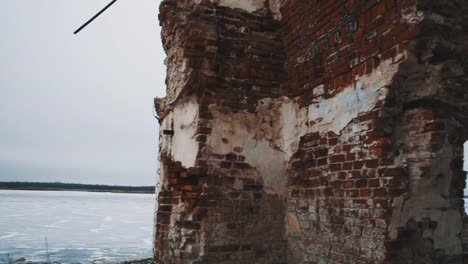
10 235
77 225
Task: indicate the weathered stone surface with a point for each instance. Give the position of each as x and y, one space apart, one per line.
313 132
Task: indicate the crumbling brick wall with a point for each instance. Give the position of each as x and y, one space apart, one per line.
214 206
312 131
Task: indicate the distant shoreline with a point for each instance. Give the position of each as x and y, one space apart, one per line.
75 187
74 190
135 261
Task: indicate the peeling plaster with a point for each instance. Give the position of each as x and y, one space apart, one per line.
412 16
177 80
244 130
275 6
335 113
294 123
246 5
182 146
270 136
427 199
251 6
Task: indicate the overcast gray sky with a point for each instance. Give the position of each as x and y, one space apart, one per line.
78 108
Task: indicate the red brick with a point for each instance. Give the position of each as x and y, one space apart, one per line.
372 163
373 183
337 158
335 167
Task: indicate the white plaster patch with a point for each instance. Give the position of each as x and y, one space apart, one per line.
244 130
251 5
411 15
268 137
177 78
319 90
336 113
294 125
275 6
246 5
182 146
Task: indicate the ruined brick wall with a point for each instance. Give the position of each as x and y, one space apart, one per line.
214 205
312 131
342 58
372 167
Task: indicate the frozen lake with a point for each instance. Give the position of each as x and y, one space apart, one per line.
75 226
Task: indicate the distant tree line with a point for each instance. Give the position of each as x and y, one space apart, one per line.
73 186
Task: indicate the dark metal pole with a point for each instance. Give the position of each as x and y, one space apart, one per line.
95 16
